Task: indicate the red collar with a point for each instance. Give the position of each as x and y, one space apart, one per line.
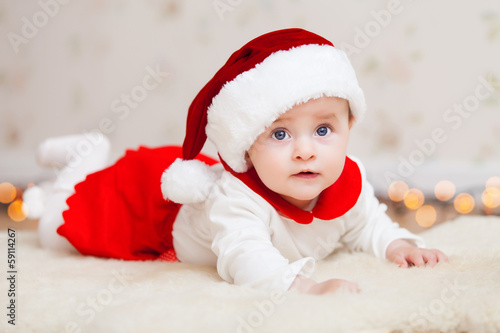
333 202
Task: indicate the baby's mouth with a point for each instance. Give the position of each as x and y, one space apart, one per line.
306 174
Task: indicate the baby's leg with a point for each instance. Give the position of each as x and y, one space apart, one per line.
78 156
74 157
52 219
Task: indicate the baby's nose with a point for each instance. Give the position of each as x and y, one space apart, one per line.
304 150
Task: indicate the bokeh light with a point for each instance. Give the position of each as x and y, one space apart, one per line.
414 199
7 193
493 182
426 216
464 203
17 211
491 197
397 191
444 190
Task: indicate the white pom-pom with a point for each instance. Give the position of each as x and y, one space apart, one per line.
188 181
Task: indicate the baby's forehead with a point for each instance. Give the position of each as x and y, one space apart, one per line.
323 108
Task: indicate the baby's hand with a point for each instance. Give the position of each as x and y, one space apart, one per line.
309 286
405 254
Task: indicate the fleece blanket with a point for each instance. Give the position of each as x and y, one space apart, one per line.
60 292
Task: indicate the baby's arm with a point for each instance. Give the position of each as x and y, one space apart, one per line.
242 241
406 254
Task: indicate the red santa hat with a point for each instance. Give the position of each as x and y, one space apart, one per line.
259 82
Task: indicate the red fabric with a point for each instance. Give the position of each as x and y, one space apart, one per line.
169 256
244 59
119 212
333 202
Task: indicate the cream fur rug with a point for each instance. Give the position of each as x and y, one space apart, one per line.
71 293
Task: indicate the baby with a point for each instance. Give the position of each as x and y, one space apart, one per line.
283 196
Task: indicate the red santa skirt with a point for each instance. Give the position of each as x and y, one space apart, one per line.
119 212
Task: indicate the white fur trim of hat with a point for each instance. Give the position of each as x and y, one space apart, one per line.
250 103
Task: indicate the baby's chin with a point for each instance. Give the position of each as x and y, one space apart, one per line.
303 202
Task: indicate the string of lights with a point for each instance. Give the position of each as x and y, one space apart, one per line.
484 199
12 196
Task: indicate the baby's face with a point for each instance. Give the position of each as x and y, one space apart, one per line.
303 152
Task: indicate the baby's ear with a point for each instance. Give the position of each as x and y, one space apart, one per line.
248 160
351 119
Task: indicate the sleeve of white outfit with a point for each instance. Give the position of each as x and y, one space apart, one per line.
242 243
368 228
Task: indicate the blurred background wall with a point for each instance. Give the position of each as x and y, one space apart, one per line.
129 69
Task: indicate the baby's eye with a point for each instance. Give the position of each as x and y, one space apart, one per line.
323 130
280 135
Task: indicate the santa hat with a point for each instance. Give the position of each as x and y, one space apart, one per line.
260 81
